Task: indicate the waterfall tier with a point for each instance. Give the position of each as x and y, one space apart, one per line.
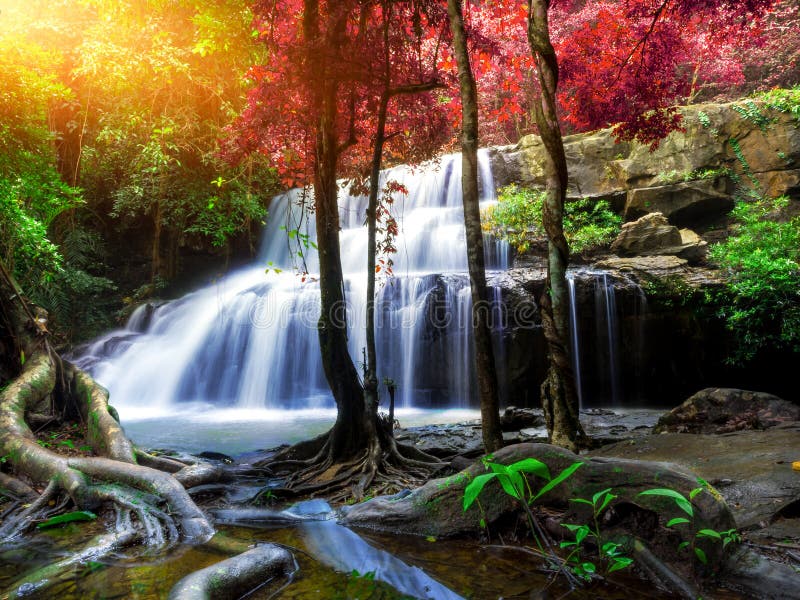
250 340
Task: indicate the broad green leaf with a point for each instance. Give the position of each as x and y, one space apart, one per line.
701 556
709 533
581 534
608 498
599 494
682 545
572 527
474 488
512 484
496 467
677 521
557 479
620 563
679 498
611 548
78 515
531 465
694 493
581 501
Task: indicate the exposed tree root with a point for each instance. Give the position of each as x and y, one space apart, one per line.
150 502
310 468
42 579
237 576
11 487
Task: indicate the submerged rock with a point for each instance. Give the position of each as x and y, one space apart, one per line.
723 410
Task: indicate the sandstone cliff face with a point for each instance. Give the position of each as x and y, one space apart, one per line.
684 178
667 343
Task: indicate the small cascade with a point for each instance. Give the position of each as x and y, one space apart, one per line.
575 346
606 312
607 337
250 339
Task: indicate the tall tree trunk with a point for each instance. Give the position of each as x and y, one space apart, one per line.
351 433
371 368
484 355
559 396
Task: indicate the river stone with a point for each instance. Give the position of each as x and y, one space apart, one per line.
517 419
722 410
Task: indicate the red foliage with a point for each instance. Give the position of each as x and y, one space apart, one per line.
623 63
279 119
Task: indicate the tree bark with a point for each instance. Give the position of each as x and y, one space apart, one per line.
484 355
350 434
559 396
371 370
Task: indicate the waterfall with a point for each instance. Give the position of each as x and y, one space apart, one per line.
575 345
250 340
608 334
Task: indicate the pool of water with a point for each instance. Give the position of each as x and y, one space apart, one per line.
196 428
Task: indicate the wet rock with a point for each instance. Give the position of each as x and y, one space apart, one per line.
216 456
444 441
515 419
752 469
723 410
684 178
757 577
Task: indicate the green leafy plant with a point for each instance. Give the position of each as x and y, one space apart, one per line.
610 552
588 223
761 300
783 100
514 483
749 111
685 505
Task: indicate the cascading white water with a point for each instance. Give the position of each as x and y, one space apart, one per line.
575 345
606 311
250 339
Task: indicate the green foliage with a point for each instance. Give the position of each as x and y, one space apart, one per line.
685 504
588 224
761 300
783 100
513 481
70 517
749 111
611 553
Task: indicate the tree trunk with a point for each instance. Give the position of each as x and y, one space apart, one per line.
559 396
484 355
371 369
352 431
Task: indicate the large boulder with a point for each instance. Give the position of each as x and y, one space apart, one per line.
647 235
722 410
652 235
